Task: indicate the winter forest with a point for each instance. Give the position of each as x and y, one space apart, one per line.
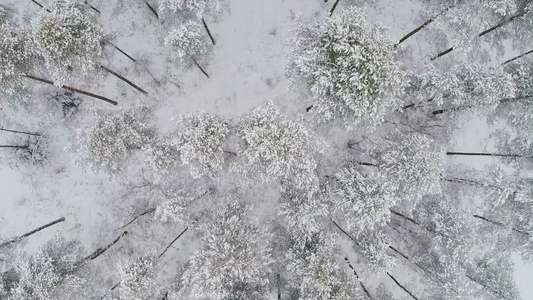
249 150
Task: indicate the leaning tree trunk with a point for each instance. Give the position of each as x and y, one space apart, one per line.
21 132
174 240
199 67
101 251
152 10
500 224
124 79
72 89
208 32
32 232
487 154
517 57
503 23
15 146
401 286
121 51
358 278
333 8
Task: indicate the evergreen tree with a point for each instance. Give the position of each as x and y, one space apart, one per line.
188 43
350 68
138 278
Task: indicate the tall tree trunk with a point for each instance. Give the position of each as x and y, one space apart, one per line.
358 278
199 67
22 132
72 89
40 5
517 57
101 251
92 7
152 9
32 232
208 32
505 22
500 224
121 51
404 216
14 146
487 154
401 286
333 8
150 210
124 79
278 282
174 240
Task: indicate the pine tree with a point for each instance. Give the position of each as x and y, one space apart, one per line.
350 68
68 40
111 141
18 56
162 156
138 278
233 262
200 142
495 276
188 43
278 149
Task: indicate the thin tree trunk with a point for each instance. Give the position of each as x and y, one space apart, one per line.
358 278
40 5
333 8
309 108
125 54
152 9
500 224
14 146
486 154
362 163
174 240
404 216
504 100
92 7
201 69
208 32
343 231
73 89
410 34
124 79
484 32
397 251
139 215
278 281
101 251
32 232
414 104
401 286
23 132
517 57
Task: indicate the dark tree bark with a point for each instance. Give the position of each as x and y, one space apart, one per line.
15 146
401 286
139 215
358 278
73 89
517 57
404 216
410 34
40 5
32 232
22 132
124 79
500 224
174 240
208 32
92 7
333 8
309 108
487 154
125 54
152 9
278 282
101 251
199 67
443 53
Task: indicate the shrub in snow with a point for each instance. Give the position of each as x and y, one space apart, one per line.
279 149
188 42
350 68
18 56
111 141
200 142
138 278
68 40
233 262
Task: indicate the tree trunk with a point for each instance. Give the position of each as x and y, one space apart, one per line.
32 232
40 5
333 8
23 132
278 282
201 69
397 251
124 79
73 89
358 278
442 53
208 32
401 286
309 108
152 9
174 240
404 216
101 251
92 7
139 215
517 57
410 34
487 154
125 54
500 224
14 146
